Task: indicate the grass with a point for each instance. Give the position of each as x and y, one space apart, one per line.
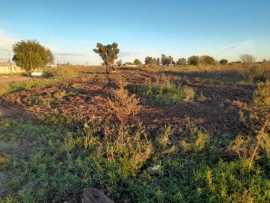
58 75
163 94
63 163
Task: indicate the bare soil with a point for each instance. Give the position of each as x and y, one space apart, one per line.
219 113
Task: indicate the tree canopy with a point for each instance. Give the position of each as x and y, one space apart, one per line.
194 60
150 60
181 61
31 55
223 61
166 60
108 53
137 62
207 60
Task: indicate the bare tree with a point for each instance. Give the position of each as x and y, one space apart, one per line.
247 58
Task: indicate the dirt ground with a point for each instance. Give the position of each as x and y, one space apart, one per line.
8 79
218 114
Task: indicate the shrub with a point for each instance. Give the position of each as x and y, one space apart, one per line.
123 105
189 93
223 61
194 60
4 160
254 74
261 95
207 60
181 61
137 62
194 142
233 182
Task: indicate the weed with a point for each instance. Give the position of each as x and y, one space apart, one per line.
261 96
4 160
195 142
123 105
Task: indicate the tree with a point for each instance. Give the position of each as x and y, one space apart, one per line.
247 58
207 60
108 53
181 61
31 55
223 61
137 62
166 60
150 60
193 60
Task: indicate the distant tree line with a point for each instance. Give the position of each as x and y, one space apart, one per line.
192 60
31 55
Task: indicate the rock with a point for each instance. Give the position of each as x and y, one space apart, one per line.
93 195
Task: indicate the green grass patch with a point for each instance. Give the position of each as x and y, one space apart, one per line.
167 94
63 163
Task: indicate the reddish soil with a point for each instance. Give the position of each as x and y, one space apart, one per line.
9 79
83 97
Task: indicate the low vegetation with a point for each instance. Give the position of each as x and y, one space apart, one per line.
149 135
165 94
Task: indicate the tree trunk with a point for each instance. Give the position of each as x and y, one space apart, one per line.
108 70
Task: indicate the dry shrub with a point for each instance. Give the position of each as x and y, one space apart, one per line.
4 160
122 105
261 97
164 139
242 146
256 118
194 143
189 93
128 146
254 73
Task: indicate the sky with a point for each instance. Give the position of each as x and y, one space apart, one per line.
180 28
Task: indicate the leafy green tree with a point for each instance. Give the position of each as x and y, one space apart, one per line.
194 60
223 61
166 60
108 53
150 60
31 55
207 60
181 61
137 62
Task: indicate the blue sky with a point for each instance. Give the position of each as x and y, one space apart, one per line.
71 28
